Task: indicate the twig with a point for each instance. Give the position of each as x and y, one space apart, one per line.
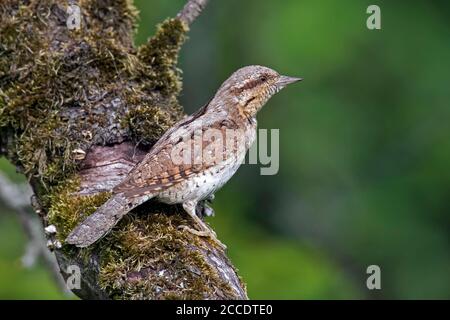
191 10
17 197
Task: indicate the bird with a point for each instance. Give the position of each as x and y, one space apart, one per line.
194 158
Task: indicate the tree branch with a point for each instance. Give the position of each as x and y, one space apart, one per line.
18 199
79 107
192 10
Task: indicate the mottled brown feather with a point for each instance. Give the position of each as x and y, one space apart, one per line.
157 172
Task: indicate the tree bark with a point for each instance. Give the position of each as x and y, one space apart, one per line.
79 106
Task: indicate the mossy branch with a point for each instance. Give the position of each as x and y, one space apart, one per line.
78 109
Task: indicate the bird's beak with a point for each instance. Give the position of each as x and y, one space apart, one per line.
283 81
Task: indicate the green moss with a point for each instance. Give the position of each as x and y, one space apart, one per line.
27 103
157 260
50 97
67 209
148 123
112 15
160 56
155 69
61 94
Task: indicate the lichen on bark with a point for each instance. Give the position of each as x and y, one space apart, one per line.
78 108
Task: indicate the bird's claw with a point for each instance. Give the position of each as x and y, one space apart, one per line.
204 210
210 198
204 233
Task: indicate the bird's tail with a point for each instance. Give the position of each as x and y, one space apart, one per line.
103 220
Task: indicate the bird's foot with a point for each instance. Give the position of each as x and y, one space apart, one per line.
190 208
204 233
210 198
204 210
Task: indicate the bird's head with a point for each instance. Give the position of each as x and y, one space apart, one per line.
249 88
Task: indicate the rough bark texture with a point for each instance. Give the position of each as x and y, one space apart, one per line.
78 109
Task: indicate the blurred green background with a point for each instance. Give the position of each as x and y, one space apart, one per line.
364 148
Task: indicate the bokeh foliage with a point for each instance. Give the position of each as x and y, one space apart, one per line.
364 148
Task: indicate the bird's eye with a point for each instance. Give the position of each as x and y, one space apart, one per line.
263 78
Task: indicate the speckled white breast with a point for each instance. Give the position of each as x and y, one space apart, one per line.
207 182
201 185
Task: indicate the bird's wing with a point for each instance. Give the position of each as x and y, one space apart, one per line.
164 167
155 174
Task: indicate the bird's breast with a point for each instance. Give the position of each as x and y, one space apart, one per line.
207 181
202 184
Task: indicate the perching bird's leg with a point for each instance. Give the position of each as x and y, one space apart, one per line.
205 231
190 207
210 198
203 209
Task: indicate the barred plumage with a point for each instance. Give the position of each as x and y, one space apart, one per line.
229 116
